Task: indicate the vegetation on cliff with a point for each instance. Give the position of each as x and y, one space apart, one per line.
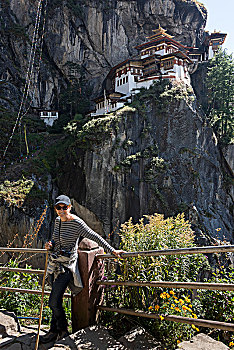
220 85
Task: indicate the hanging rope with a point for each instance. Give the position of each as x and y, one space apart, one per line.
29 71
25 137
37 69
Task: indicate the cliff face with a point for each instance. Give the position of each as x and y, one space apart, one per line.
165 161
140 161
91 35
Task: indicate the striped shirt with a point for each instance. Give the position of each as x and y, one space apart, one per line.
71 231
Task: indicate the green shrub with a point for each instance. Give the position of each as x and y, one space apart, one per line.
24 304
157 233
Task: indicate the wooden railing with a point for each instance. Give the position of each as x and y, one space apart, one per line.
32 271
167 284
156 284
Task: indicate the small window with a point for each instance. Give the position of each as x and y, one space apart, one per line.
126 79
117 82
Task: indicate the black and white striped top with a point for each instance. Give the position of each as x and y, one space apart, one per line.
71 231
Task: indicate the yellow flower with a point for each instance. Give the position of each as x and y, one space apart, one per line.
171 292
161 317
187 300
194 315
197 329
181 301
193 326
184 307
177 309
156 307
231 343
178 341
176 301
162 296
172 305
190 305
150 308
167 295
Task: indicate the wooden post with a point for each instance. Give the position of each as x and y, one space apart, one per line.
84 305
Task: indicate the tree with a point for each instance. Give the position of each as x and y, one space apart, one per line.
220 84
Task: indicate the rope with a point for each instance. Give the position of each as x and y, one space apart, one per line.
36 73
25 137
29 72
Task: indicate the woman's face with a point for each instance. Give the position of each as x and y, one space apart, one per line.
63 209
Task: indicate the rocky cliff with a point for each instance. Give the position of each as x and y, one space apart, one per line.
90 36
157 157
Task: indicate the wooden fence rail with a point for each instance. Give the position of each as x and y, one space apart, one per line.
174 318
23 250
166 284
186 285
180 251
14 269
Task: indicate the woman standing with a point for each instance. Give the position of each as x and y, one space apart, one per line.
62 269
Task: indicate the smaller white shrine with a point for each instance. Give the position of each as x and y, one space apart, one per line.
49 117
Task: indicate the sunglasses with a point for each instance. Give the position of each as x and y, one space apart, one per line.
64 207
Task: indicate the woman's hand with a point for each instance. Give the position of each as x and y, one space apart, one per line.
48 245
118 253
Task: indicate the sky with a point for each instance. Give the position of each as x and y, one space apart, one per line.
221 18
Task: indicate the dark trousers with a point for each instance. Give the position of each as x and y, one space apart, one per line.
59 321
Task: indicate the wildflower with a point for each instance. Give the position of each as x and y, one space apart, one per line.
176 301
193 326
171 292
161 317
184 307
150 308
194 315
167 295
187 300
172 305
177 308
156 307
197 329
163 295
178 341
231 343
190 305
181 301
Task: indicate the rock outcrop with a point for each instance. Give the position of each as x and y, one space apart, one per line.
202 342
91 35
158 158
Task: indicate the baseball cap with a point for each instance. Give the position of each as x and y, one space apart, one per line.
63 199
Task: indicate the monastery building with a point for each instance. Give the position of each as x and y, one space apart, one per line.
161 57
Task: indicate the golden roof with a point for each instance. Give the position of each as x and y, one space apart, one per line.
159 32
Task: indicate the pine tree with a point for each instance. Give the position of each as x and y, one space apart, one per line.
220 84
